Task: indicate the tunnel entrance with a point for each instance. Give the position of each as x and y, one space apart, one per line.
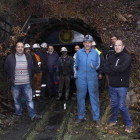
59 32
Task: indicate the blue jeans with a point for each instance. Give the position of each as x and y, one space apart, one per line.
118 97
17 91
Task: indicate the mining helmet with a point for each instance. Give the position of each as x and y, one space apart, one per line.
63 49
44 45
27 46
93 43
36 46
88 38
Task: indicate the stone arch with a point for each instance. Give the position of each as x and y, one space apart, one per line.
42 27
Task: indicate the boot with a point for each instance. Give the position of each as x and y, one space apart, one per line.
66 96
59 96
38 99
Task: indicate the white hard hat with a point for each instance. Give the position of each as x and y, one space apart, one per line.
44 45
36 46
63 49
27 46
93 43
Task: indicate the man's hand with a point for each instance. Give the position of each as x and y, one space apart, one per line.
100 76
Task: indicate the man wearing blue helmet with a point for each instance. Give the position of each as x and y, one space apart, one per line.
86 64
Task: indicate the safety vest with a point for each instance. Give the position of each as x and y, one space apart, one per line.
98 51
38 58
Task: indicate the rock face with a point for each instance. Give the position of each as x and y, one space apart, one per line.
131 98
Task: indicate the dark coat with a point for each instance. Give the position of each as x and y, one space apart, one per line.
37 69
65 67
111 51
118 68
51 61
10 65
43 58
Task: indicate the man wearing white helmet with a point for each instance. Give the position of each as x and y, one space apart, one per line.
43 57
64 73
86 63
37 72
27 49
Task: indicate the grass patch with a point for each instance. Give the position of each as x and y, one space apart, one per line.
32 135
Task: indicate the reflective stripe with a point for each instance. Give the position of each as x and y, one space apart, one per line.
39 63
117 62
43 85
37 94
33 95
37 91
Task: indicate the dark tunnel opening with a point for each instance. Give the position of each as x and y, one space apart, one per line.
59 33
49 30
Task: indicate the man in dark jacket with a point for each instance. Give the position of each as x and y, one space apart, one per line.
118 67
111 50
51 62
19 67
64 73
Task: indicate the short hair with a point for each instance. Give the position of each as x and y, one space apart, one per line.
50 46
115 35
77 45
19 42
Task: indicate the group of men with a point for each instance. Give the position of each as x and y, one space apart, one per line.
117 67
43 67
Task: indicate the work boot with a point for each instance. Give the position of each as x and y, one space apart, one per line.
111 124
37 117
17 118
128 129
66 96
38 99
79 121
96 124
59 96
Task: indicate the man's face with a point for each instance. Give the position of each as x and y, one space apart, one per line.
64 53
27 50
43 49
118 46
77 48
87 45
113 40
20 48
36 50
50 49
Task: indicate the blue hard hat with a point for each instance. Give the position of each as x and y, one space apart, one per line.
88 38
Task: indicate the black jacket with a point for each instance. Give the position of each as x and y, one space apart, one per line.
118 68
10 65
65 67
51 61
111 51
